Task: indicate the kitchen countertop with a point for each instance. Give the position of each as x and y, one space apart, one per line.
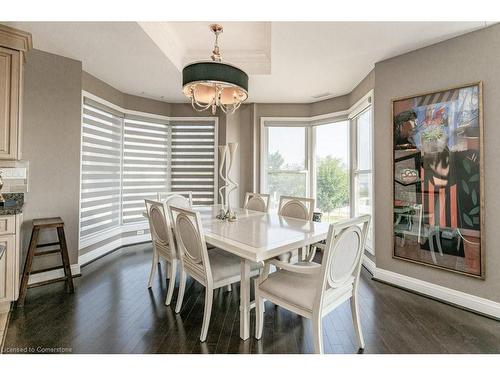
11 210
14 204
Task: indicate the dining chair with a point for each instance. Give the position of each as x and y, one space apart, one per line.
162 238
313 290
163 195
213 269
163 242
297 208
257 202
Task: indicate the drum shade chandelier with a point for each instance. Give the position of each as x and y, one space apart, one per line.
212 84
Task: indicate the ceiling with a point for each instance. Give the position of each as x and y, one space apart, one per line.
288 62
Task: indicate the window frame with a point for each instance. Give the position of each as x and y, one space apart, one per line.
358 172
284 122
310 124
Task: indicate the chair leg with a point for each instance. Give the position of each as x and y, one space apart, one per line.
171 283
355 320
180 296
317 333
312 253
259 313
153 269
209 296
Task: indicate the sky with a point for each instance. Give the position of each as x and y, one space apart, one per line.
331 139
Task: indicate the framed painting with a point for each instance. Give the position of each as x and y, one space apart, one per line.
438 188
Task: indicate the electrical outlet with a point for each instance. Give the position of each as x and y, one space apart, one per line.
140 231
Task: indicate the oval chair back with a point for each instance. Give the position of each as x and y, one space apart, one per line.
191 244
256 202
178 201
165 195
160 228
296 207
343 255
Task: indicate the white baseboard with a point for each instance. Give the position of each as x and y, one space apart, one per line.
54 274
369 264
111 246
467 301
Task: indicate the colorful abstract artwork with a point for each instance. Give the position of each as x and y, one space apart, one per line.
438 179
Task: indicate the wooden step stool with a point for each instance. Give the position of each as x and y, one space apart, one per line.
38 225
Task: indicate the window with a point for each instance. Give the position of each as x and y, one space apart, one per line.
363 168
287 171
193 163
100 169
127 157
327 158
145 164
332 181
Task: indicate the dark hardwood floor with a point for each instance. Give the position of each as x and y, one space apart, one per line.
112 311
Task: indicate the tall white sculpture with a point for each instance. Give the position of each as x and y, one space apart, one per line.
232 153
227 154
222 160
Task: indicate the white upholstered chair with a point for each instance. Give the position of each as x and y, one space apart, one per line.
213 268
164 246
313 290
257 202
163 242
297 208
164 195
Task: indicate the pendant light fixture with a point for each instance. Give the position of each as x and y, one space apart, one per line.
212 84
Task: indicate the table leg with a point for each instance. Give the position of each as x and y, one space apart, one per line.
245 300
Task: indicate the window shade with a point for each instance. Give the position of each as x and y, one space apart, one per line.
127 158
101 169
145 164
193 145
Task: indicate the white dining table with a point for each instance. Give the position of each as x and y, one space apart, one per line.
256 237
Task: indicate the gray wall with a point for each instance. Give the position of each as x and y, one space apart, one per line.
465 59
51 143
132 102
365 85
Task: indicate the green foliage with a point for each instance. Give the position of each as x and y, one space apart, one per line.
275 161
332 184
332 181
293 184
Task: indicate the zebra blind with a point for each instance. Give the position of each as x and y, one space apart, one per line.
145 164
193 147
101 168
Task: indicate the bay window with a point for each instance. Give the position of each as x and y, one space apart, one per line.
328 158
127 157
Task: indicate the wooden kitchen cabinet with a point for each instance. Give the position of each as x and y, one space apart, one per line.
10 228
7 270
13 46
